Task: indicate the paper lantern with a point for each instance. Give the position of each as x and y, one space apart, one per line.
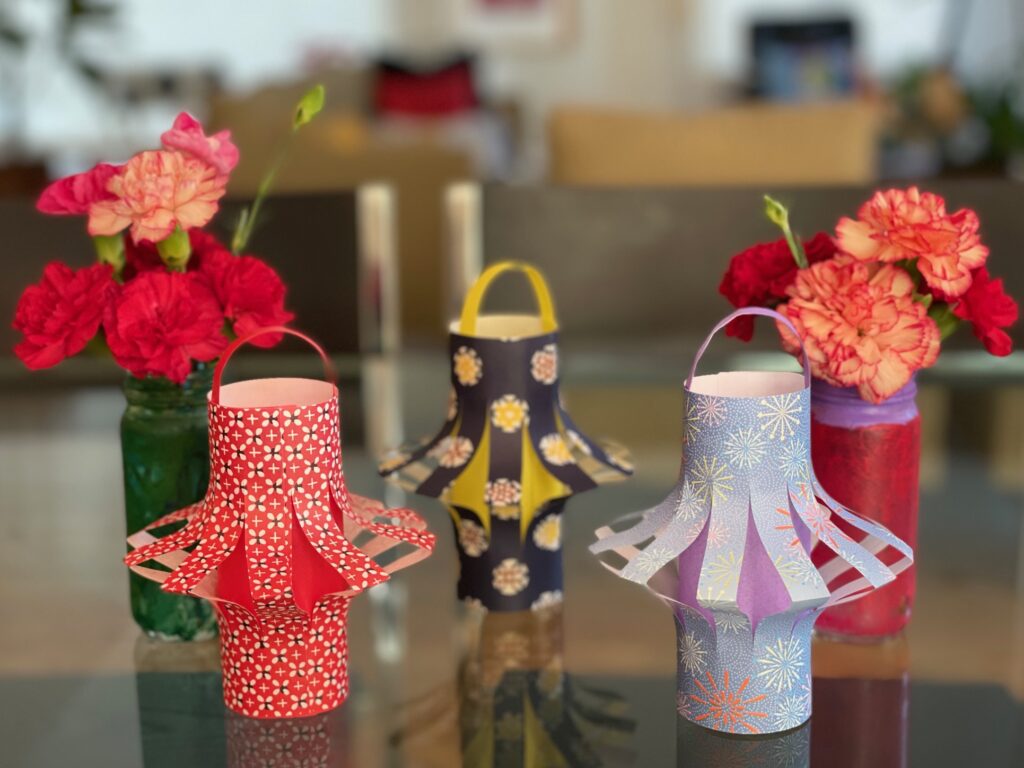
508 455
279 545
729 549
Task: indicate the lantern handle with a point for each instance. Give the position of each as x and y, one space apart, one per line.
329 373
763 312
475 295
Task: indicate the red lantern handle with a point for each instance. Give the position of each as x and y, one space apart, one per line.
329 373
764 312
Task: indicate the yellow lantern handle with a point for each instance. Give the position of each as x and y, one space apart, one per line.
475 295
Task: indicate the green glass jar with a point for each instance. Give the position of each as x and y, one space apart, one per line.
166 454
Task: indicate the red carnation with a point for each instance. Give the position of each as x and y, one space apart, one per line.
760 276
74 195
61 313
252 295
208 257
161 322
989 310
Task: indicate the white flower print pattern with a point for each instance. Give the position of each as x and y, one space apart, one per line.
472 538
510 577
544 364
548 533
453 452
467 366
546 600
502 492
279 659
555 451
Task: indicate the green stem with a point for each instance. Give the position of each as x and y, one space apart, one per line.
944 318
248 216
309 106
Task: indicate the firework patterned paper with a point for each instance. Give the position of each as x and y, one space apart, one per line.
729 550
508 454
279 545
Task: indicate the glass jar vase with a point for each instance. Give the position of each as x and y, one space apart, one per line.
165 452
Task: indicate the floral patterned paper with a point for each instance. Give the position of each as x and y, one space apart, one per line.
272 547
504 462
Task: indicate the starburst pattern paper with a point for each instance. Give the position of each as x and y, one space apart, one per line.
730 550
272 544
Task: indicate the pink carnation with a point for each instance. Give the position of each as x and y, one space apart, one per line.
860 325
897 225
155 192
186 135
75 195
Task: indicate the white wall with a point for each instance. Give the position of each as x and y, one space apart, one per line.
892 33
659 54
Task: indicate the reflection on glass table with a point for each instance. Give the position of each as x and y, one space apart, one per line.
76 690
516 704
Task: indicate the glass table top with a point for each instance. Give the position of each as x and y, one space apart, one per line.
436 683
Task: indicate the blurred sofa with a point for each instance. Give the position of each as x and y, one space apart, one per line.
750 144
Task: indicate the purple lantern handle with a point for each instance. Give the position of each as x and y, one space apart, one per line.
763 312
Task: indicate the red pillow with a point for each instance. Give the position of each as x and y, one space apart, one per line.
438 92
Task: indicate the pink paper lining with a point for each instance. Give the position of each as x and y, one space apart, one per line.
276 393
747 384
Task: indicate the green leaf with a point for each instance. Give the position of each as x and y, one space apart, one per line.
309 106
241 235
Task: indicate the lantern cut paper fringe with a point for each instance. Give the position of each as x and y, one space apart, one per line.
730 549
279 545
508 454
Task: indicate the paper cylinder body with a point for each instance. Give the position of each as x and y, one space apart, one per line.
508 454
272 545
730 547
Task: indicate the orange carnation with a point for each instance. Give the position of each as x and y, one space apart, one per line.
897 225
155 192
860 325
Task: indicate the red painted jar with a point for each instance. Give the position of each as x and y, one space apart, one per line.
868 458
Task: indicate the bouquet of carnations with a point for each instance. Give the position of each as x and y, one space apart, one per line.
164 293
874 302
873 305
